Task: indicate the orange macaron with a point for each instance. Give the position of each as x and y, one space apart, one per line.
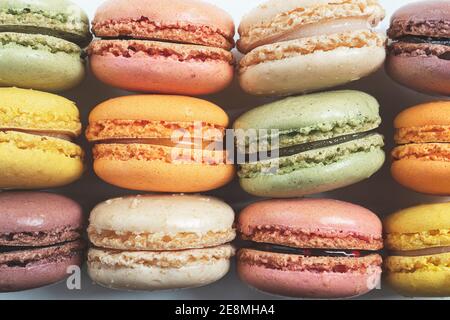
160 143
422 157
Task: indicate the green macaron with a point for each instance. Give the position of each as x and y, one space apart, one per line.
40 44
59 18
317 143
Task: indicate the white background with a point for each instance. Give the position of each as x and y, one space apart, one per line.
380 193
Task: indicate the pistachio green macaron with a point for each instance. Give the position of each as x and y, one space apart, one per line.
317 143
40 44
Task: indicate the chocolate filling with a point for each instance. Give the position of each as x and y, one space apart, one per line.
26 256
424 39
421 252
307 252
293 150
429 40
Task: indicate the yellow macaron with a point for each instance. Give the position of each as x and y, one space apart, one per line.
36 132
419 241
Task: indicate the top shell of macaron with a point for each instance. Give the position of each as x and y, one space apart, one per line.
334 112
423 18
28 212
321 217
429 122
428 114
59 18
429 217
160 108
279 20
30 110
167 214
176 20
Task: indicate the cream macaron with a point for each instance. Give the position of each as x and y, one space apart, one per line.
300 46
159 242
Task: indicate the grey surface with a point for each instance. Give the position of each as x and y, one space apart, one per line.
380 193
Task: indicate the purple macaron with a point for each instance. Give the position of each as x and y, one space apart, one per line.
419 55
40 238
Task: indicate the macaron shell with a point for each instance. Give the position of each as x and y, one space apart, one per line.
160 108
424 276
412 220
433 113
24 278
169 214
193 268
312 72
33 162
423 176
308 284
156 74
309 112
428 74
37 212
352 169
39 68
314 215
180 13
421 18
38 111
421 284
158 176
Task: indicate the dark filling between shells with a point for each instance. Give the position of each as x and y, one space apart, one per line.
307 252
429 40
293 150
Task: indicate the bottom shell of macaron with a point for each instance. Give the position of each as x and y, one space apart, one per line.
421 276
309 277
150 271
34 268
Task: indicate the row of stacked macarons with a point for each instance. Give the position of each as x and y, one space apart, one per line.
313 248
294 147
185 47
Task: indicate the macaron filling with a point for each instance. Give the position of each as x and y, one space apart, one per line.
167 141
41 238
29 256
323 156
39 42
305 46
317 264
141 48
145 28
267 247
422 252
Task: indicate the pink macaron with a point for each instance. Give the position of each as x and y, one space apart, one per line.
174 47
311 248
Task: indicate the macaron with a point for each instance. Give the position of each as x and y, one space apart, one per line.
419 55
40 44
36 133
421 159
316 143
39 239
310 248
181 47
160 143
160 242
303 46
419 244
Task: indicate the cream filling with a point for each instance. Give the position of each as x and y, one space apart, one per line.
421 252
325 28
